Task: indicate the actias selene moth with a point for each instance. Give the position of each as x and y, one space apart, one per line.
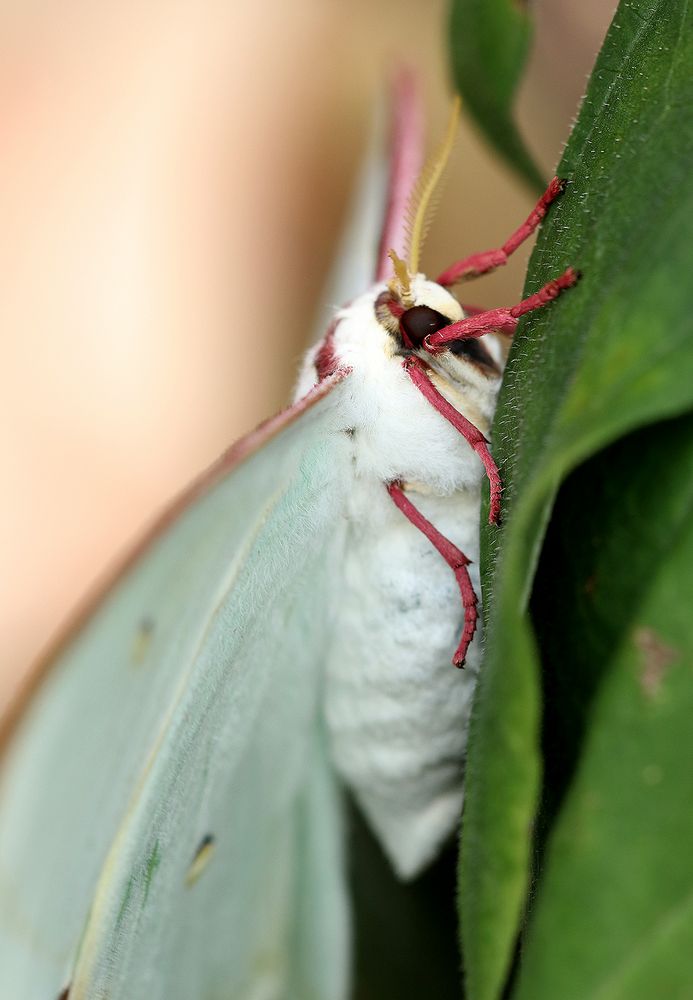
170 819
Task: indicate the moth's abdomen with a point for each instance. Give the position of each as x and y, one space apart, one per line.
397 709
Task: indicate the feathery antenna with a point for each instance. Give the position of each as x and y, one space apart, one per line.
419 210
400 285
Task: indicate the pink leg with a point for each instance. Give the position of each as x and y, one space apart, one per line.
417 370
504 320
456 560
489 260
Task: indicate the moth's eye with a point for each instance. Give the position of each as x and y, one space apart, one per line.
419 321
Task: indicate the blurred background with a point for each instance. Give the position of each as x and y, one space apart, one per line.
173 180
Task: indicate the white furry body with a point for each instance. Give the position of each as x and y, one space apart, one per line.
396 708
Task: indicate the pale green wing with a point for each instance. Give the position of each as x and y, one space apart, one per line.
185 713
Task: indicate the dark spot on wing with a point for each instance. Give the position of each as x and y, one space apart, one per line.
147 625
202 857
205 842
64 994
143 638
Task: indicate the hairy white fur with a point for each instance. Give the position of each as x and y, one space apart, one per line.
397 710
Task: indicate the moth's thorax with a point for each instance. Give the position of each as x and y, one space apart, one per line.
397 433
397 710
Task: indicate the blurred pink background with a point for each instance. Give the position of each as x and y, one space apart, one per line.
173 177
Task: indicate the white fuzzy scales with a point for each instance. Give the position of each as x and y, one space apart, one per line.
397 710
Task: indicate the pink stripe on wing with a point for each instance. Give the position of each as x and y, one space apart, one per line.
405 161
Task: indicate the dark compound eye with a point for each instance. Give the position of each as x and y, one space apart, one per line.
419 321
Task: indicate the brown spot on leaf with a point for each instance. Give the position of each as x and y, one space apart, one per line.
656 658
64 995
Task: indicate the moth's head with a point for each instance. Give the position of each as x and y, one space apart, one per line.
431 307
413 307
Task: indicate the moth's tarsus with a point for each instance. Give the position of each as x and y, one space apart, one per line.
489 260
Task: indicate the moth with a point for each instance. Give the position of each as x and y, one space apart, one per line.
170 800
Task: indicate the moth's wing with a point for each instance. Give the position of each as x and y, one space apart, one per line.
185 709
355 260
377 216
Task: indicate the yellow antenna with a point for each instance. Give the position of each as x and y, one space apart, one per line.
418 211
400 286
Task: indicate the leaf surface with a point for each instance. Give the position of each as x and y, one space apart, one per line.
615 903
612 354
490 40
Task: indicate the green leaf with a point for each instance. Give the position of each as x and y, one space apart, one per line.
610 355
614 916
490 40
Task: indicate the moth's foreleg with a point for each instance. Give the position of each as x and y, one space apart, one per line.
417 370
488 260
503 320
456 560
